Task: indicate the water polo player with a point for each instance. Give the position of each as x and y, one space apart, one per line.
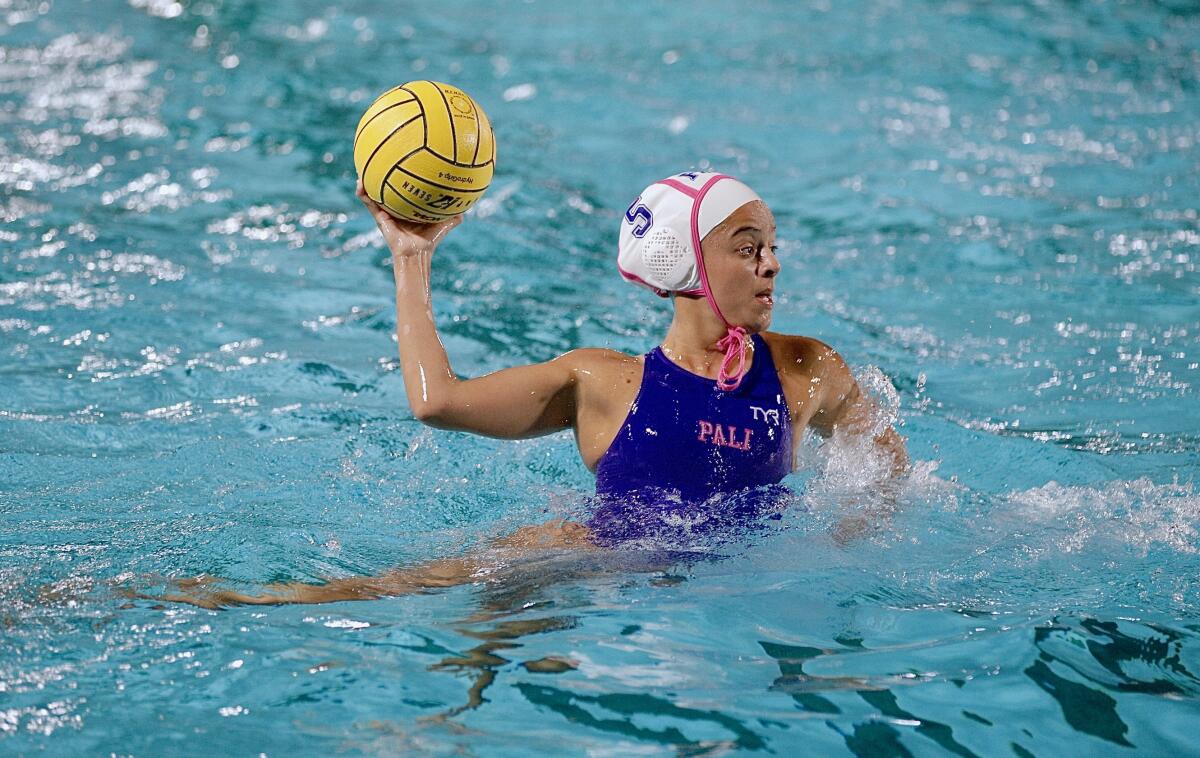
710 416
718 407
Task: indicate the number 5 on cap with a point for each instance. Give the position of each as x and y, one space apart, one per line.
640 216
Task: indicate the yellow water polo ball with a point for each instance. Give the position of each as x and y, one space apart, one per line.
425 151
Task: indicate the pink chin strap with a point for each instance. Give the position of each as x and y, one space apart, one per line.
734 345
734 341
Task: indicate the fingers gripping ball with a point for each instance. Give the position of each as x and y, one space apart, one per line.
425 151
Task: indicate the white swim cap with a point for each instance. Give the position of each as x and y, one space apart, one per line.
659 245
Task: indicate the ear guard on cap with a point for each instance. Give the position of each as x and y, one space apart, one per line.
660 234
655 247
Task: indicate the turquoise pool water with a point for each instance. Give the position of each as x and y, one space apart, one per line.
989 209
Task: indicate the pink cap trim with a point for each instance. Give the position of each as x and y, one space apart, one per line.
676 184
635 278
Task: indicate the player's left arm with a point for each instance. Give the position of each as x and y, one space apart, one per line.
844 409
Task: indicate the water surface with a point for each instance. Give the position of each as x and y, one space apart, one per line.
989 208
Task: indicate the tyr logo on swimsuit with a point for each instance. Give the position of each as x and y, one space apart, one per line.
770 415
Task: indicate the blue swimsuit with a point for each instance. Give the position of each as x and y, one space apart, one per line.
690 453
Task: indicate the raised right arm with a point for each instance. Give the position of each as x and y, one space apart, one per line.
525 401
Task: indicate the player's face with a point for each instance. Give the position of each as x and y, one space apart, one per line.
739 258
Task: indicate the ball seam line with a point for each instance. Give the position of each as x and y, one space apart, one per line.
478 133
449 118
454 163
393 168
377 115
384 141
425 123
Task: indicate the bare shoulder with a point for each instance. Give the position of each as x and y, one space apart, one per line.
598 358
591 365
801 356
814 376
606 383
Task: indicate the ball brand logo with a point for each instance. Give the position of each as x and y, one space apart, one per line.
716 434
441 201
641 218
460 104
419 193
690 175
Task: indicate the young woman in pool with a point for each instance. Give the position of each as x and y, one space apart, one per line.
716 410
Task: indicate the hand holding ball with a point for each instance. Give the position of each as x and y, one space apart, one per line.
406 239
424 151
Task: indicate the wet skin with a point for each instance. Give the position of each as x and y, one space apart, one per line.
589 390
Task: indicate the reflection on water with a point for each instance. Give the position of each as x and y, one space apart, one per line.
1137 658
992 204
481 661
625 714
872 738
1078 663
618 713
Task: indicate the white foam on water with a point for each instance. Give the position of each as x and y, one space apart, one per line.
1139 513
853 472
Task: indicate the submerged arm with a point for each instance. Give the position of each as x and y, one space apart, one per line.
474 566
